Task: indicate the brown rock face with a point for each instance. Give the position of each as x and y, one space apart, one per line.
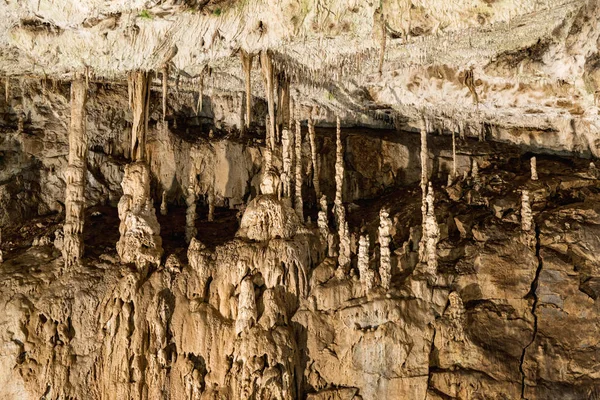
358 200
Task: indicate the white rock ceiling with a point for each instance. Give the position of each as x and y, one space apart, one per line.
533 61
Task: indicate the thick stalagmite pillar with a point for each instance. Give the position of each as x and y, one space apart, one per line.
268 74
75 176
247 68
365 274
140 240
298 203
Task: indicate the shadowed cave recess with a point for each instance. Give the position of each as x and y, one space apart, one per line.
299 199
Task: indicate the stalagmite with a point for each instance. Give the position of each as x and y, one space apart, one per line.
247 314
433 233
190 201
313 155
163 204
268 75
534 174
287 149
298 203
526 213
453 154
475 170
140 240
385 261
365 274
247 68
139 97
327 237
268 156
75 176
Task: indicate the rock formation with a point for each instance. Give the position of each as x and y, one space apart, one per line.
534 175
253 286
72 248
385 262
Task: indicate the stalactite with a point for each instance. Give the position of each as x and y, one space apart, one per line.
268 157
247 68
268 75
453 154
340 211
163 204
313 155
199 103
75 176
7 89
383 43
424 181
365 274
283 98
165 88
287 149
385 261
534 174
139 97
298 203
211 202
526 213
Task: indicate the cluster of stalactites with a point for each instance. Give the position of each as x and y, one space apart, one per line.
72 249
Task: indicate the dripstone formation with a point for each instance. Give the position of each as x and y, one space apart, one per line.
323 200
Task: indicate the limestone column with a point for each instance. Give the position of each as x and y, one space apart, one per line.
298 203
247 68
424 180
340 211
433 233
75 191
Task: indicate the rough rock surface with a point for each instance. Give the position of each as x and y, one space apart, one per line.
458 263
